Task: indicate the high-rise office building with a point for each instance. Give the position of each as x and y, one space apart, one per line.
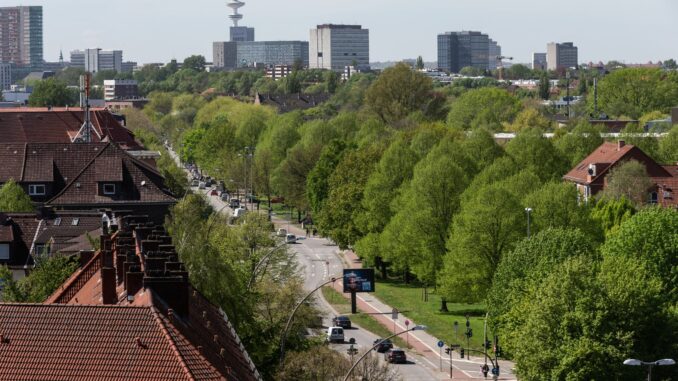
239 33
336 46
5 76
539 61
95 60
236 54
457 50
21 36
561 55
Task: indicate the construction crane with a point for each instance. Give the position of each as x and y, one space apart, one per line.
500 65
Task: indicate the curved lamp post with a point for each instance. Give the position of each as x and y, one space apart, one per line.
415 328
261 262
650 364
289 321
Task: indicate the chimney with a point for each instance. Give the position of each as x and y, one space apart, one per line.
134 282
108 282
620 145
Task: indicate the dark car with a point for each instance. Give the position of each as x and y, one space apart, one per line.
395 356
384 346
342 321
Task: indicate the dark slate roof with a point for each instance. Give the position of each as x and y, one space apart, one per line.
61 125
290 102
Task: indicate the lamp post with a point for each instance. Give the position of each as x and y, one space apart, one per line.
528 211
650 364
415 328
261 262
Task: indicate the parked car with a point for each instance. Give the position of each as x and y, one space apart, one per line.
335 335
195 183
383 346
214 192
342 321
281 232
290 238
234 203
239 212
224 196
395 355
201 185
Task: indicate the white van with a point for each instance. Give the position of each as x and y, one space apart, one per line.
239 212
282 232
335 335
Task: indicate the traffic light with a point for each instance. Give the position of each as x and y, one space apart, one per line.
487 344
499 352
461 353
448 350
469 333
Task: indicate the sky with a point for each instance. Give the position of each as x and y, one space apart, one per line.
159 30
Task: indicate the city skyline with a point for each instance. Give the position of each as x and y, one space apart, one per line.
152 33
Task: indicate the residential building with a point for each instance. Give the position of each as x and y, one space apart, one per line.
38 76
21 36
128 67
277 72
349 71
232 55
120 89
16 96
86 176
242 33
457 50
560 56
128 313
118 105
539 61
590 175
334 47
5 76
96 59
61 125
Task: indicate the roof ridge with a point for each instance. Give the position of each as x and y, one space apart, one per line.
66 285
23 163
65 305
79 173
173 344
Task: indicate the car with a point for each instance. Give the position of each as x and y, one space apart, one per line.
239 212
395 355
195 183
383 345
234 203
290 238
335 334
342 321
224 196
201 185
281 232
214 192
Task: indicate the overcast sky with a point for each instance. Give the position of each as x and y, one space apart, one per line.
158 30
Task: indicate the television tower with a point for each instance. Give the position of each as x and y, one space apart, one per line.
235 16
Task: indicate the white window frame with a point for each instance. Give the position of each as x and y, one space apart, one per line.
4 256
654 198
33 190
108 193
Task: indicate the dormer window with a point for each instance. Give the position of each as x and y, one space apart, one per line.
109 189
36 190
4 251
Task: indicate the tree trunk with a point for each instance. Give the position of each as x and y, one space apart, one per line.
443 305
384 270
407 276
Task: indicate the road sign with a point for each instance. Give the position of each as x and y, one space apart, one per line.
358 280
394 314
441 344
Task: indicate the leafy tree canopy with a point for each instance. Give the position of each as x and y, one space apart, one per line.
485 107
14 199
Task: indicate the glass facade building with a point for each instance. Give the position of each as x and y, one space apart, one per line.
335 47
242 33
21 39
232 55
457 50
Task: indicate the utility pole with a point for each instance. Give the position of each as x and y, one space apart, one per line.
595 97
567 97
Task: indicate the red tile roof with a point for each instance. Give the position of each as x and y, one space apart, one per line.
60 125
76 342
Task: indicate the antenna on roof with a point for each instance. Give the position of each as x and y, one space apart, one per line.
85 133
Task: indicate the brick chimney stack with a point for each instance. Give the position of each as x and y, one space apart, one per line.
620 144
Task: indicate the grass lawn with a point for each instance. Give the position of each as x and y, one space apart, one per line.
367 322
408 299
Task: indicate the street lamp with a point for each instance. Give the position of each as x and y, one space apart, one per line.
650 364
415 328
261 262
528 211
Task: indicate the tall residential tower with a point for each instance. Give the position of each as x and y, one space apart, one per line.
21 36
561 55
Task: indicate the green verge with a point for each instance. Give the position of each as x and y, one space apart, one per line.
365 321
409 300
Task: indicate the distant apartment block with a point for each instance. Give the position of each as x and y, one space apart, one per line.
119 89
5 76
95 60
561 55
277 72
21 36
128 67
237 54
539 61
457 50
242 33
334 47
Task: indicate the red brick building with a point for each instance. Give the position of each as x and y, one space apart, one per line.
129 313
590 175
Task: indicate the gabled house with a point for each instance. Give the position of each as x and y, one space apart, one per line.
85 176
129 313
590 175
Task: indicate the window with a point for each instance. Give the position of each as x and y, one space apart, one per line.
75 222
36 190
109 189
40 248
57 221
4 251
654 198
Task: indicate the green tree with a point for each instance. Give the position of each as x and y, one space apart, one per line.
51 92
317 363
398 92
485 107
530 118
579 143
317 184
195 62
629 180
47 275
544 86
531 150
331 81
420 63
633 134
471 71
670 64
610 213
636 91
668 146
14 199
